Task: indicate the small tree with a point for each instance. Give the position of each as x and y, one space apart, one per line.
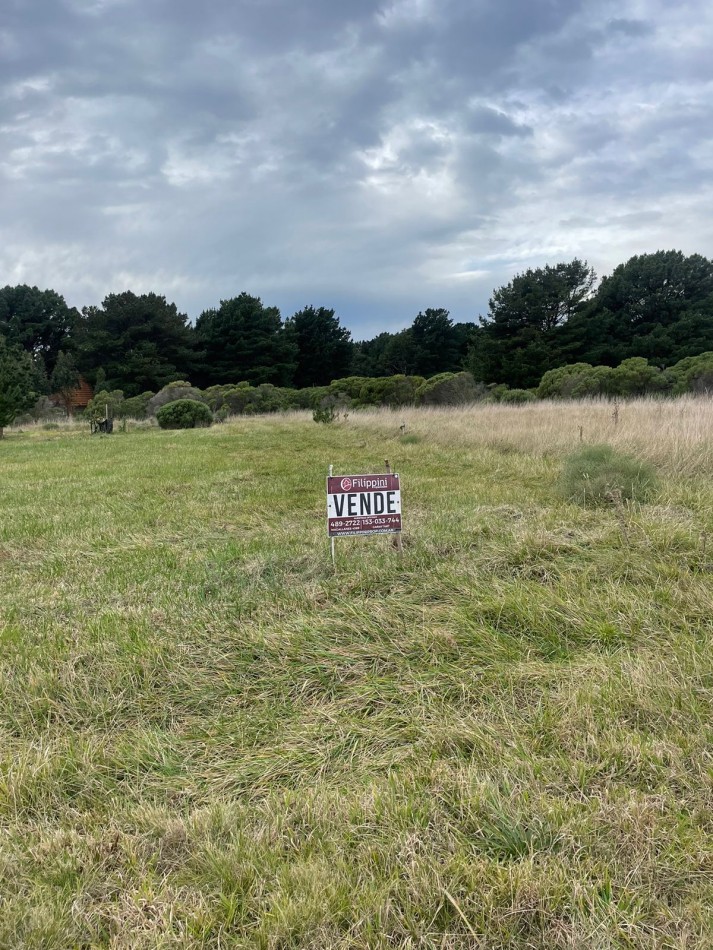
65 379
18 389
105 404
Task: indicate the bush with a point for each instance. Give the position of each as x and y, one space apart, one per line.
598 475
393 391
330 408
105 403
179 389
692 374
45 409
244 399
325 414
575 381
348 388
637 377
184 414
304 398
450 389
136 407
516 397
632 377
496 391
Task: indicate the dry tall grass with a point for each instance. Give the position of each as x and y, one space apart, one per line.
675 434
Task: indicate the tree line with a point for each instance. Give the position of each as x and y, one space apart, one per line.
139 342
658 307
633 377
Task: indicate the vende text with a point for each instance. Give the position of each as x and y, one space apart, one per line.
365 503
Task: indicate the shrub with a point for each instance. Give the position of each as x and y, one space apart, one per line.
105 403
450 389
172 393
304 398
348 388
136 407
330 408
575 381
325 414
691 374
598 475
496 391
391 391
517 397
45 409
266 398
632 377
637 377
184 414
244 399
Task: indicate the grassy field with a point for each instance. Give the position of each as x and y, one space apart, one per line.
502 738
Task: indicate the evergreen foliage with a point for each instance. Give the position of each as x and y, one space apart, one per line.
324 349
393 391
37 320
135 407
18 383
694 374
179 389
106 404
243 339
65 379
140 342
449 389
517 397
548 330
184 414
518 340
434 342
657 306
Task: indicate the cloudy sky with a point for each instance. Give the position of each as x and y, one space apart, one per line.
375 156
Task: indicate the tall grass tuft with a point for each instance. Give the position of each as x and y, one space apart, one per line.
598 475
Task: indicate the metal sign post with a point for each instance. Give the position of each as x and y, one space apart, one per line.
331 537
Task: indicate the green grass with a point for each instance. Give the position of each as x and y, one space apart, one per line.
208 738
598 475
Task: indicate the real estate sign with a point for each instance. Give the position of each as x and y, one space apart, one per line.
363 504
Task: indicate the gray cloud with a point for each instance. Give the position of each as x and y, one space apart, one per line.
379 156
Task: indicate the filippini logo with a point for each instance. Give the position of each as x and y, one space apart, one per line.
351 484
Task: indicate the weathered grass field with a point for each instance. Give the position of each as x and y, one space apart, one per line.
502 739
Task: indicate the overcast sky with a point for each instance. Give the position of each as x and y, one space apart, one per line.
375 156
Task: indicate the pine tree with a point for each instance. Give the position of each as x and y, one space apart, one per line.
18 383
65 379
